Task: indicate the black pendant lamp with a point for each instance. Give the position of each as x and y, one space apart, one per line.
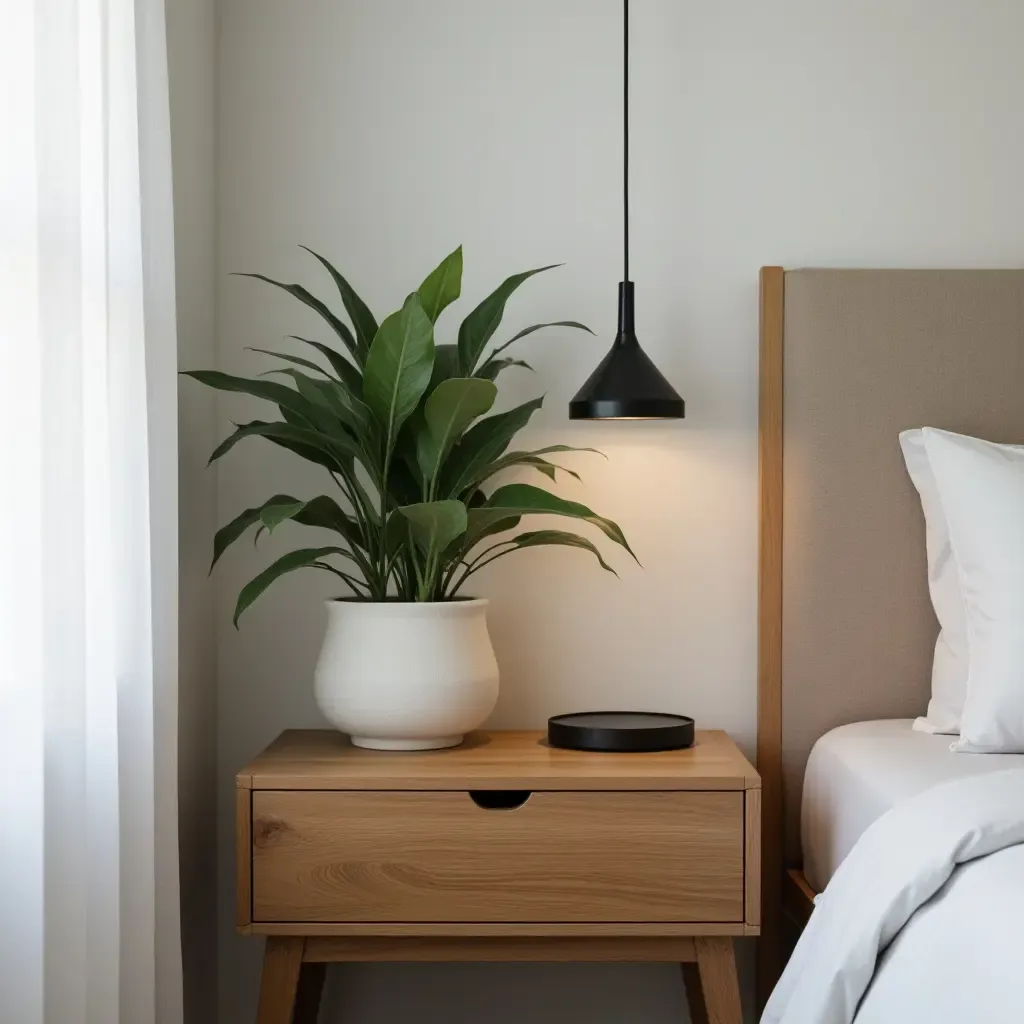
626 385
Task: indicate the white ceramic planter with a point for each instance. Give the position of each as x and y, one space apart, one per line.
406 675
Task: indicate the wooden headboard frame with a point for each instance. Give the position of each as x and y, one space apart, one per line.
770 955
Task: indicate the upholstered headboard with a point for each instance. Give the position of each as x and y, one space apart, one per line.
849 358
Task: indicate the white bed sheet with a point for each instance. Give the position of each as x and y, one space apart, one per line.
858 772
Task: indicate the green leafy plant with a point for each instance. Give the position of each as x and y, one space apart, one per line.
401 425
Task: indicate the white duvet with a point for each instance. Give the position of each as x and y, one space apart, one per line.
924 920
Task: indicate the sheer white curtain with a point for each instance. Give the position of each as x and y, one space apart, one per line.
88 495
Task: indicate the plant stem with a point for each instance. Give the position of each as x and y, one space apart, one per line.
433 568
449 576
351 581
481 563
382 550
419 578
357 555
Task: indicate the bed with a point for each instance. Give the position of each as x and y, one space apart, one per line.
846 631
857 772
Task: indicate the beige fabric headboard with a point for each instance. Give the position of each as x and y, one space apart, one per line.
849 359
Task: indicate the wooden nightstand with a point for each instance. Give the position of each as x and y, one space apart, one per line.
501 849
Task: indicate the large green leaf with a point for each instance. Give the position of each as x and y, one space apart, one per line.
435 524
304 558
289 358
339 327
275 515
482 522
533 459
332 452
553 449
396 532
442 286
548 538
346 371
542 538
487 521
405 482
349 408
299 409
398 368
450 408
227 535
540 327
334 398
528 459
322 511
478 328
446 364
279 394
524 499
359 313
319 413
481 445
491 369
309 452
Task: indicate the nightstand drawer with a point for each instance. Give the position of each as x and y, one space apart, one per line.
322 856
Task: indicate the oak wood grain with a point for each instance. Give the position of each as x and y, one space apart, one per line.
323 759
431 857
618 846
483 929
492 929
282 964
243 857
717 966
752 856
500 950
769 624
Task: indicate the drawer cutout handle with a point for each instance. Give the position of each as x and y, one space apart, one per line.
499 799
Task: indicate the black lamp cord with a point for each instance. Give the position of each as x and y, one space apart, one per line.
625 138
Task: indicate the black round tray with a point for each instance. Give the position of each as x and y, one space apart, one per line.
620 731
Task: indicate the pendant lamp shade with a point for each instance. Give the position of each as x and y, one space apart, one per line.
626 384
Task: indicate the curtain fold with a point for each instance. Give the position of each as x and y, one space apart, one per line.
88 518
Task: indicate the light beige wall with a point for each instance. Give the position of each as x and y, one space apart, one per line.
885 132
191 43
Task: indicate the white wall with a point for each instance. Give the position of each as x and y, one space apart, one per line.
883 132
191 40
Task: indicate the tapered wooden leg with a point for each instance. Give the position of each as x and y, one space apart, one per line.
284 983
694 994
717 967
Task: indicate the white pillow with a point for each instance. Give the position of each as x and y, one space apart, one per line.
981 488
949 668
